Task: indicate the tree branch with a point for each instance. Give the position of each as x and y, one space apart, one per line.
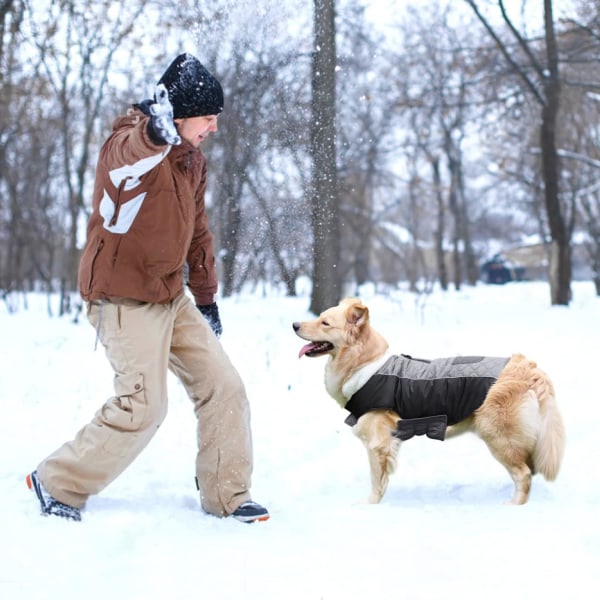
502 47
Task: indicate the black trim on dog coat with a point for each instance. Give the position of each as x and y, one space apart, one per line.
453 388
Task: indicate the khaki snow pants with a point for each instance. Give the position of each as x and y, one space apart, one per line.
142 341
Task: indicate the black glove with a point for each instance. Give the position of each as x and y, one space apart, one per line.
161 117
211 314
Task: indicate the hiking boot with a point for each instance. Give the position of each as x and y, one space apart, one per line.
250 512
49 505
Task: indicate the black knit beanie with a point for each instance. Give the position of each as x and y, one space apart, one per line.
193 91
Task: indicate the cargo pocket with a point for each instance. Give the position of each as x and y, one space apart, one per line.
124 415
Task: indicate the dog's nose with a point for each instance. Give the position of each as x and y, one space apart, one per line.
296 325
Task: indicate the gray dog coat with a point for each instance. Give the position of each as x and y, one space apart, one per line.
427 394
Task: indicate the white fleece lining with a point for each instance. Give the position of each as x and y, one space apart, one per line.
362 375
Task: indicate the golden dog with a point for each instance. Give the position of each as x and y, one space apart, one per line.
517 418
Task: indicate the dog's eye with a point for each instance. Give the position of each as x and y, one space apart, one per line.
325 323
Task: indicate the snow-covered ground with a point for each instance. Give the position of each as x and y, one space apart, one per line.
440 532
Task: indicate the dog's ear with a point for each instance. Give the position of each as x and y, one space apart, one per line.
357 314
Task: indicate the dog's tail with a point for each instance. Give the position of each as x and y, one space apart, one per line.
550 445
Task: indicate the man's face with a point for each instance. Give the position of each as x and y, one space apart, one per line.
196 129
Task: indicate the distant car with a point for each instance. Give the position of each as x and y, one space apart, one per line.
499 271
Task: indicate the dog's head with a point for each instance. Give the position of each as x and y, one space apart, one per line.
345 334
334 329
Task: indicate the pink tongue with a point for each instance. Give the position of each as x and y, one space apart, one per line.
305 349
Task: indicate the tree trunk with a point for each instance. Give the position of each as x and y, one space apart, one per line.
560 255
231 223
327 278
440 228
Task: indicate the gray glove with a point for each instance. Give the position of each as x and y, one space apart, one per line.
161 117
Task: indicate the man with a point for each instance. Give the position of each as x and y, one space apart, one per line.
149 222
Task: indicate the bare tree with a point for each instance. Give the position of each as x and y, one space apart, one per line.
437 98
540 75
238 151
15 93
366 138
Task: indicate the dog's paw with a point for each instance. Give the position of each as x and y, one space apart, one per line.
363 501
372 499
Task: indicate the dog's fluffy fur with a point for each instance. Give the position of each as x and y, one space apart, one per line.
518 420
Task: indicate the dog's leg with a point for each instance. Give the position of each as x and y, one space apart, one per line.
517 462
459 428
508 422
375 431
382 462
521 475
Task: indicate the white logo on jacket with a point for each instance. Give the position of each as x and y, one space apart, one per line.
129 210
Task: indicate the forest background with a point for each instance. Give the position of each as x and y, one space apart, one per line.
376 141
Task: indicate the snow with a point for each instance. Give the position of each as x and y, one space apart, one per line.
441 531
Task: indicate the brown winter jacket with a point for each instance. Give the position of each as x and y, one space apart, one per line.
148 220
